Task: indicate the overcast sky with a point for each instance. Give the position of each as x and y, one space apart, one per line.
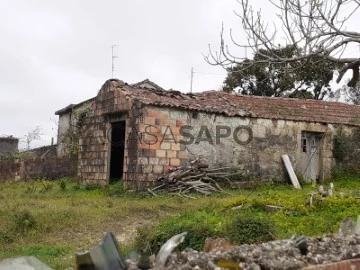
54 53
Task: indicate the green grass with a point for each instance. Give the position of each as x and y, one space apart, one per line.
221 219
53 220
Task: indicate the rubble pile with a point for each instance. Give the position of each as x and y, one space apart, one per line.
275 255
282 254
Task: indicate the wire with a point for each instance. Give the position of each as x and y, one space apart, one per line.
207 73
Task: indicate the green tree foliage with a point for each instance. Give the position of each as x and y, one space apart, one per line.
308 78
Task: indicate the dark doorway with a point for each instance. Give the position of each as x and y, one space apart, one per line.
117 150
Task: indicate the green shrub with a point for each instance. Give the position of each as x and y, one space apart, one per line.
23 220
115 189
345 170
46 186
62 184
6 238
249 230
199 225
92 186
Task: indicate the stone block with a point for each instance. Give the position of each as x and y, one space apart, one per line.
182 155
171 153
165 146
175 162
158 169
161 153
153 161
164 161
175 146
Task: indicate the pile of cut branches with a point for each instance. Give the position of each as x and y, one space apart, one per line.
197 177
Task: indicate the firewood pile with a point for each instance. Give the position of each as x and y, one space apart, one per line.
197 177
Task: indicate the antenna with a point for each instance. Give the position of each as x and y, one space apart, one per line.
191 79
113 57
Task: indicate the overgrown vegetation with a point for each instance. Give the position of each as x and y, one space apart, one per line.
53 220
70 138
346 159
246 219
341 145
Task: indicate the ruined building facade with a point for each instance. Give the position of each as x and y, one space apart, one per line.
8 146
137 133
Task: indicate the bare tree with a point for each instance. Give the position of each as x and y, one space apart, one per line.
319 27
32 135
348 94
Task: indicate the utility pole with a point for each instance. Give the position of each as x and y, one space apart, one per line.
113 57
191 79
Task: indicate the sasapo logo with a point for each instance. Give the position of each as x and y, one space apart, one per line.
186 135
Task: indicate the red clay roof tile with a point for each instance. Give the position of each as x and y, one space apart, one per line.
231 104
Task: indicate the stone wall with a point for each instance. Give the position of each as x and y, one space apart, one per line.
38 168
8 146
253 146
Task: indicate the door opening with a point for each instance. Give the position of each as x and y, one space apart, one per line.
310 155
117 150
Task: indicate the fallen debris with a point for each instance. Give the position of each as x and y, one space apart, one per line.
295 253
104 256
167 248
197 177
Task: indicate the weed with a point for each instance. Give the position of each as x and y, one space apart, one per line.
30 189
199 225
75 187
23 220
250 229
62 184
46 186
109 204
92 186
6 238
115 189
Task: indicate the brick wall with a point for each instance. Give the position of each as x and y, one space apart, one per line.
8 146
38 168
158 144
94 143
143 162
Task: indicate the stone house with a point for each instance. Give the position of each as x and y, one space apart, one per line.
72 115
8 146
137 133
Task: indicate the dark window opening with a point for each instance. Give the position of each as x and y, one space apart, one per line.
117 150
195 115
304 145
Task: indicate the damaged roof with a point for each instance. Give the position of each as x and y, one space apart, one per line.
145 84
231 104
